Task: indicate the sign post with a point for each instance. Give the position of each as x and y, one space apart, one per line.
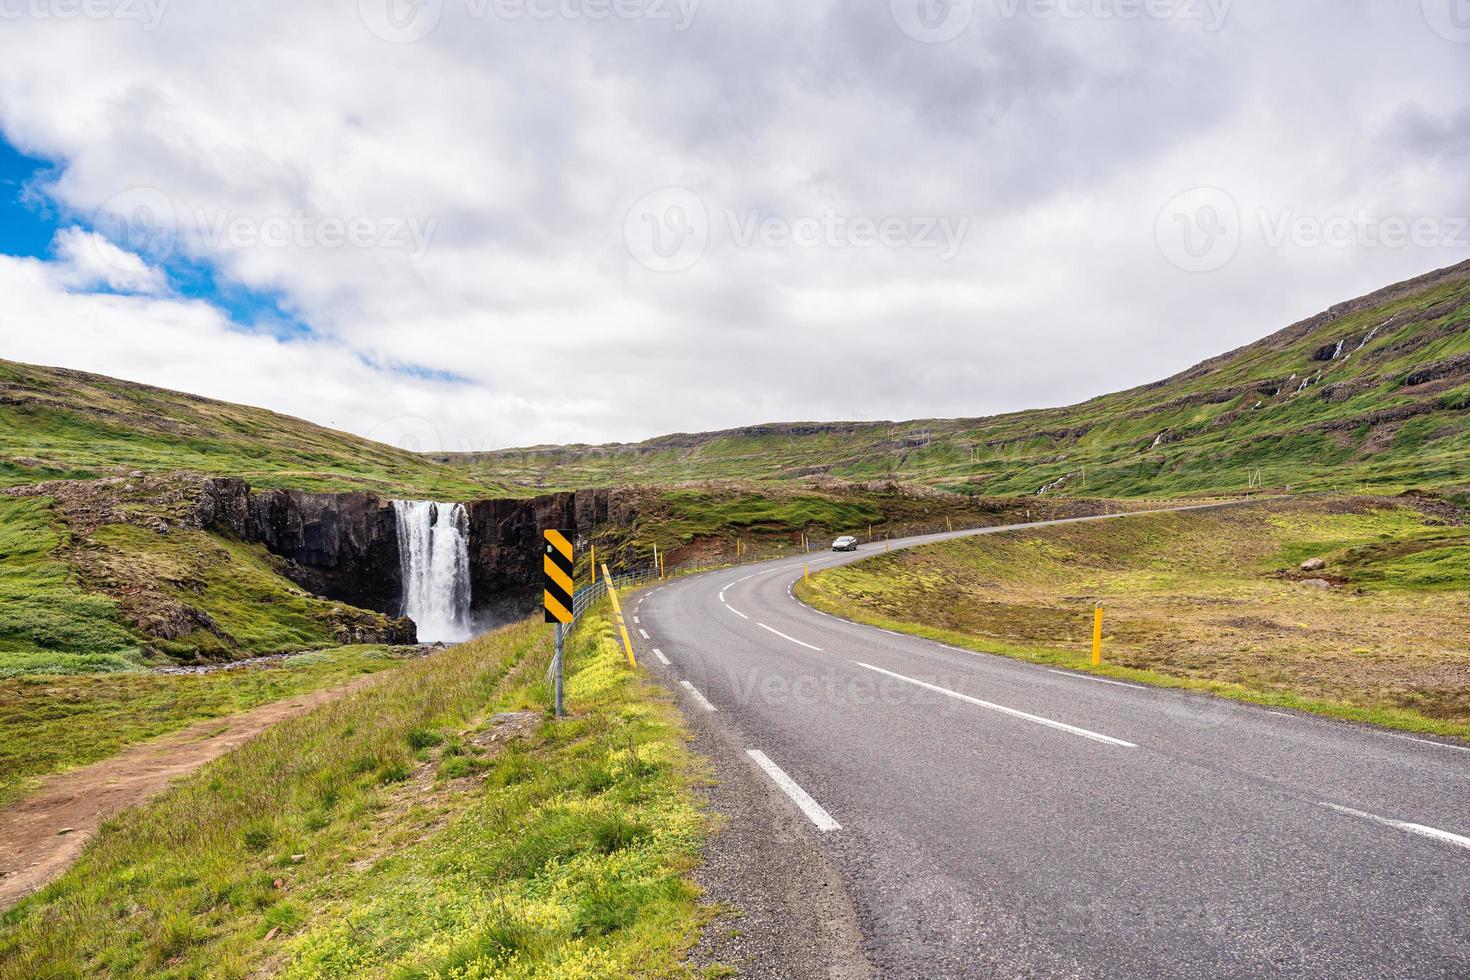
559 591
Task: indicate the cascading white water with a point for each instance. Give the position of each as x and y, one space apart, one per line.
434 559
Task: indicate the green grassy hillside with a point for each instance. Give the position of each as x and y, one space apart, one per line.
59 424
1370 394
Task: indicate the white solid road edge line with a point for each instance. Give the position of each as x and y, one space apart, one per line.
661 658
736 611
1060 726
1433 833
791 638
1426 741
809 806
698 697
1100 680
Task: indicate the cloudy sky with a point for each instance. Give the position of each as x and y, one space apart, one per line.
469 224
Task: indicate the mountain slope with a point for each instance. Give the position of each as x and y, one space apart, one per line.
62 424
1372 392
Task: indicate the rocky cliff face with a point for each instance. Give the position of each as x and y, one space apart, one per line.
505 543
341 546
345 546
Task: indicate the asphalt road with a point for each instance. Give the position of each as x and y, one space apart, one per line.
996 818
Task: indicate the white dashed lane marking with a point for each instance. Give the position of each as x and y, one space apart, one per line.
694 692
783 636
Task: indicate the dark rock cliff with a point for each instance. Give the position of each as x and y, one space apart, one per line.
505 543
345 546
341 546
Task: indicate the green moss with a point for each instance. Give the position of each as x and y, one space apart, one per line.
48 623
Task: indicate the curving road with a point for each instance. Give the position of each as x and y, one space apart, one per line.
995 818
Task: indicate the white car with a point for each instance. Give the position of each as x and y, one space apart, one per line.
845 543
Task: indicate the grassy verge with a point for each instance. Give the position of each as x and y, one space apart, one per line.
50 724
1211 601
394 833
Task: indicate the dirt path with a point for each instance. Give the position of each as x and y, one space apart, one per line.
41 835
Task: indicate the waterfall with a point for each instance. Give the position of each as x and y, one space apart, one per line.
434 560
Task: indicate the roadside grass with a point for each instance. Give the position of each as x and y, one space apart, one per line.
1210 601
391 834
50 724
48 622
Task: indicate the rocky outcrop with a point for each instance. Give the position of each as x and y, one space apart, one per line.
343 546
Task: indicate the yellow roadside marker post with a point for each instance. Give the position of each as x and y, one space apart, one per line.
559 591
593 561
806 572
948 523
1097 616
612 594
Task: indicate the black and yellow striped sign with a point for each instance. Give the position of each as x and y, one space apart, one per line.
559 586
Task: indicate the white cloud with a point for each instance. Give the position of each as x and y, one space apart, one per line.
526 142
88 260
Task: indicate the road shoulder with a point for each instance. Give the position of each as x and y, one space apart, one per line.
784 910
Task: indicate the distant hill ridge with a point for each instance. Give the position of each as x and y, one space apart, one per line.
1368 393
1371 393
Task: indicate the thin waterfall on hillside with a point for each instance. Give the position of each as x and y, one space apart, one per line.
434 560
